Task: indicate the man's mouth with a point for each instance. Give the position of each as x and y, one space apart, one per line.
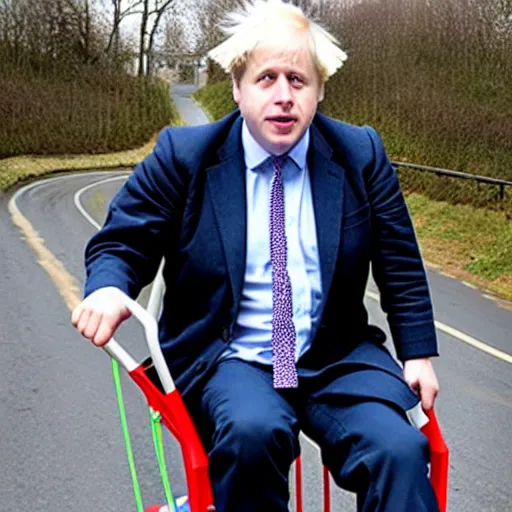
283 121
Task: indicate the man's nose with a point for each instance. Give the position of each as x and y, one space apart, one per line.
283 92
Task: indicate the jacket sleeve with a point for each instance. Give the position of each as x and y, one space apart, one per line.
143 217
397 264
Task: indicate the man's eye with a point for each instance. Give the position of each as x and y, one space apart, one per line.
296 79
267 78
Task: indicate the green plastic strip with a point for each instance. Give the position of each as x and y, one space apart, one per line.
126 435
156 430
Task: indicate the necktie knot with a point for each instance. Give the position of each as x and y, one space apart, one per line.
278 163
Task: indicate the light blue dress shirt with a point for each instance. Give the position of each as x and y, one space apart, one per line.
252 336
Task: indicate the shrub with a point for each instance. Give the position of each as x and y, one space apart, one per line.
90 112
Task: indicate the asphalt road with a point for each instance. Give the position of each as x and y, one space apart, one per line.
60 442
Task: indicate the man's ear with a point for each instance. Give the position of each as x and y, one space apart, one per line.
236 90
321 92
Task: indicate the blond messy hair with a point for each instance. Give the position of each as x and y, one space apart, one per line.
260 22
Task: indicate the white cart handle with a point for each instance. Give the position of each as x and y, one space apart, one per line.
150 325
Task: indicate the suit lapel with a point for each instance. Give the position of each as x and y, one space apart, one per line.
327 182
226 185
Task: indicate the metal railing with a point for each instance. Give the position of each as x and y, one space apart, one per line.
458 174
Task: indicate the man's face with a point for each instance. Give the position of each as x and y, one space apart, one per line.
278 96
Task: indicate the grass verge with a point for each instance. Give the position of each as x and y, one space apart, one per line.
23 168
472 244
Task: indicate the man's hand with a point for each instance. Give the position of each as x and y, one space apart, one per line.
99 315
420 376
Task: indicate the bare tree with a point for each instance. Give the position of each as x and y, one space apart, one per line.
121 10
41 33
152 14
175 36
207 18
160 8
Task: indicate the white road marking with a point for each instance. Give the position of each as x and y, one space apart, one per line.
78 196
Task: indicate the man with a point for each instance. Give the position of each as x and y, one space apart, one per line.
268 221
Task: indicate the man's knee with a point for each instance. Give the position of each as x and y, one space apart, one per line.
404 450
254 435
399 473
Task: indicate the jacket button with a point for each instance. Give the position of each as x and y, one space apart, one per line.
226 334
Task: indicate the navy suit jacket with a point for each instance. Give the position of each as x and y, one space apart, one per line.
186 202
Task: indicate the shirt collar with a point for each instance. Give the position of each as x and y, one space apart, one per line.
255 155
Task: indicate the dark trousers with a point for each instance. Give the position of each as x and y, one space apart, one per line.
251 433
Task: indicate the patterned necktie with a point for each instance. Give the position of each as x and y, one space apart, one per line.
283 330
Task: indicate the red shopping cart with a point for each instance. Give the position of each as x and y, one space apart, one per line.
164 398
